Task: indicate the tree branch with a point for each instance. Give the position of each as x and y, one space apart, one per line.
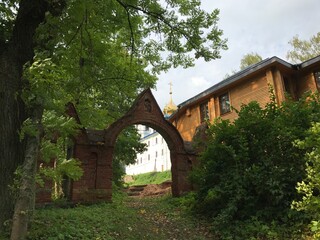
132 41
161 18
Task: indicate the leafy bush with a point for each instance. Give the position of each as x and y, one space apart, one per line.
248 172
310 186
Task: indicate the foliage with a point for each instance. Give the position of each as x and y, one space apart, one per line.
103 221
249 170
55 148
151 178
246 61
100 55
127 219
310 186
249 59
304 50
126 150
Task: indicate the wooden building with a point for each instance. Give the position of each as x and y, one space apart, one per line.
250 84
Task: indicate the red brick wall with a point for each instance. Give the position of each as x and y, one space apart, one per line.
96 182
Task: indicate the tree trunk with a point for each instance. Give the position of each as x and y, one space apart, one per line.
13 55
24 206
11 148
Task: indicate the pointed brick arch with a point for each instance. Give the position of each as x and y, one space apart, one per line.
146 111
94 149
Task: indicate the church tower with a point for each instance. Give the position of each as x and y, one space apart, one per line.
170 107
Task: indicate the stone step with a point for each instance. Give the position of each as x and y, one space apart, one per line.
136 189
142 185
133 194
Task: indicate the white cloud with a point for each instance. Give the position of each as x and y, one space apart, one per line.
199 82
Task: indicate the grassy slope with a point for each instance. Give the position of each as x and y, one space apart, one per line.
124 219
151 178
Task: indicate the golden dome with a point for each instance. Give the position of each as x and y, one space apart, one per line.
170 107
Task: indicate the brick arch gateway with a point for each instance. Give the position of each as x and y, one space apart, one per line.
146 111
95 148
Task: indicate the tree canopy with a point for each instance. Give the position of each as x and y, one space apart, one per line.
304 50
246 61
100 54
249 59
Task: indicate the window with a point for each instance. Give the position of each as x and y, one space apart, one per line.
140 160
148 143
156 140
317 77
156 154
161 152
149 157
224 103
204 112
286 82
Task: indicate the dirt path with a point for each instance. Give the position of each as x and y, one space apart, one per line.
168 221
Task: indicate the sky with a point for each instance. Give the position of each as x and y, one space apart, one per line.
260 26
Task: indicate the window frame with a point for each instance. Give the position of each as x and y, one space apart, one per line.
316 75
204 111
224 103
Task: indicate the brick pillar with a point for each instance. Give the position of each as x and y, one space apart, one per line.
180 170
96 183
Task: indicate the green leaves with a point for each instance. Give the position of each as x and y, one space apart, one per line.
250 167
249 59
309 188
8 12
101 55
70 168
304 50
178 27
126 150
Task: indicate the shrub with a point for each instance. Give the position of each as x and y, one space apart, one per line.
249 169
310 186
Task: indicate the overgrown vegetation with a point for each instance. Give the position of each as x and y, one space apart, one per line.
310 186
150 178
123 219
248 172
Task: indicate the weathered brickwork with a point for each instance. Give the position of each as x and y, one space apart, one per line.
94 149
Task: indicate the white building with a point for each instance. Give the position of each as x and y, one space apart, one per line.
157 157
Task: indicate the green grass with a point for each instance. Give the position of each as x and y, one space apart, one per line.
124 219
151 178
